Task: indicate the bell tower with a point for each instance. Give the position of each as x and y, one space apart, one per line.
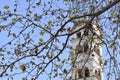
87 52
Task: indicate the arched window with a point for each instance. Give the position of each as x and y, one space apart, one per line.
93 55
78 34
86 32
86 47
87 73
79 49
97 74
97 50
82 73
96 71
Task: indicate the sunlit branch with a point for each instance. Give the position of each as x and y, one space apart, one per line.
33 23
17 36
54 57
98 12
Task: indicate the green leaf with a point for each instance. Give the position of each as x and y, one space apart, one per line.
24 78
73 60
42 33
70 16
38 4
71 52
22 67
48 55
0 49
14 35
6 7
56 47
72 0
112 14
69 30
8 52
11 68
46 47
49 22
37 17
1 54
76 70
40 40
30 53
65 71
20 19
13 19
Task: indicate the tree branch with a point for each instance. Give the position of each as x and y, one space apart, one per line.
54 57
106 8
98 12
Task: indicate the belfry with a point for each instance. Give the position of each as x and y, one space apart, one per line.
87 52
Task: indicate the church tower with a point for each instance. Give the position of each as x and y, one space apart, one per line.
87 52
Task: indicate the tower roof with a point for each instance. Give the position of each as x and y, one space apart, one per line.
81 23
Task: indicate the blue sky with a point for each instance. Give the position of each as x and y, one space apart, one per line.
22 5
21 10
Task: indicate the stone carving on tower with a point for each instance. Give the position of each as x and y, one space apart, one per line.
87 47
